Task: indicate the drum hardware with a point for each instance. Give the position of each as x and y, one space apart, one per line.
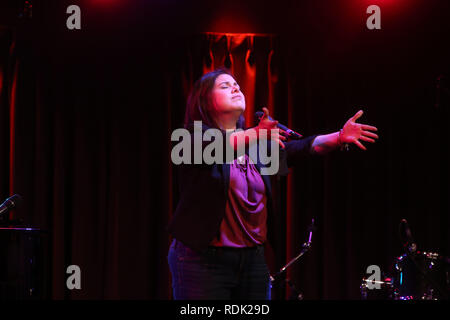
420 273
421 276
386 289
296 294
417 275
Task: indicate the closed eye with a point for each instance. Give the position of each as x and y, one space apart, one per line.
225 85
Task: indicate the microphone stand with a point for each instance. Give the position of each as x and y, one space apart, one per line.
305 248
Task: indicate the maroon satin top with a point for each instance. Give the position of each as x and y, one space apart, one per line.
244 224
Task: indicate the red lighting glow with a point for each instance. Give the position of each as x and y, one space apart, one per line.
106 3
388 3
12 116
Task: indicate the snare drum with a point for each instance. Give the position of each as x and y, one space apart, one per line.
385 290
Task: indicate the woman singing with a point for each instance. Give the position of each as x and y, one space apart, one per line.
219 226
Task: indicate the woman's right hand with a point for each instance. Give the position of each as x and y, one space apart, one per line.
270 128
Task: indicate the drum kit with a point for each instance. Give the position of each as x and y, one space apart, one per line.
416 275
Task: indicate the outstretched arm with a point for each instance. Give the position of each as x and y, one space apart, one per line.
352 132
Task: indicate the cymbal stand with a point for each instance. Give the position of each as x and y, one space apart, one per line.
305 248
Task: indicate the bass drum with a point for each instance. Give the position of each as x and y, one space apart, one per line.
421 276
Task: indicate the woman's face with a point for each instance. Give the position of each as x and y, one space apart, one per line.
227 96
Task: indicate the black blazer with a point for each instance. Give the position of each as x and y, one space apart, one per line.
203 192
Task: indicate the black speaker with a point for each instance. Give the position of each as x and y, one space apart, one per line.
24 264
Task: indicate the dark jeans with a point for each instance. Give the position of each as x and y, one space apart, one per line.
219 273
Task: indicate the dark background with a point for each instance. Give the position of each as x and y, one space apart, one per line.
88 147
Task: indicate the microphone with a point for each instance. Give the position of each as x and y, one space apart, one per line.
10 203
291 133
409 241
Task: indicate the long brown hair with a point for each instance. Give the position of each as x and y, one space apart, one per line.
199 106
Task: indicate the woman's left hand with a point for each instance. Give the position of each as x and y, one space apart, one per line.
352 132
